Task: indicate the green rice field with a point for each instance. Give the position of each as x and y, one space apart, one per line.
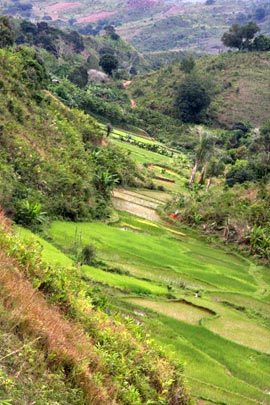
206 305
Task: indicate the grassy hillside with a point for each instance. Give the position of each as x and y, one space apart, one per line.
55 164
196 26
41 142
86 356
238 84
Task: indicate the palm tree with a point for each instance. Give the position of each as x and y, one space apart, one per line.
202 152
215 167
105 182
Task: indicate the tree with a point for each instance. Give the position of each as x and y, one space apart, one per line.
239 174
79 76
7 36
187 64
261 43
108 63
240 37
192 99
202 152
110 31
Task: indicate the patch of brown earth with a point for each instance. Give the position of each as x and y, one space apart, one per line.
127 83
96 16
62 6
133 103
175 10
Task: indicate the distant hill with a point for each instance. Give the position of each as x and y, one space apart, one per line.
239 84
71 49
150 25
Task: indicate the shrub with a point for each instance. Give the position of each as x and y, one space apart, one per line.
30 214
88 255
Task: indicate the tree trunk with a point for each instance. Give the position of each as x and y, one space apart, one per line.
209 184
193 173
202 177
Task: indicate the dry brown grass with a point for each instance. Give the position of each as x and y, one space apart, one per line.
75 345
64 342
4 221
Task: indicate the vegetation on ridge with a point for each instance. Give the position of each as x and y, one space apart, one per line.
51 157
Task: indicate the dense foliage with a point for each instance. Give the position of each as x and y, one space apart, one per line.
47 168
6 33
192 99
240 37
239 216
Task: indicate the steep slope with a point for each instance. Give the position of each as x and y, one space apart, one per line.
42 153
51 158
48 309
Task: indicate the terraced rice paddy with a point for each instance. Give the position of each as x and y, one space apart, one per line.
206 305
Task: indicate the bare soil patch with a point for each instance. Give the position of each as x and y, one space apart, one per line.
96 16
130 202
62 7
127 83
133 103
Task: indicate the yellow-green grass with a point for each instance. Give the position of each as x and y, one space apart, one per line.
143 155
117 132
169 187
181 310
216 368
236 326
49 253
197 260
175 183
242 302
148 141
123 282
52 255
229 322
158 196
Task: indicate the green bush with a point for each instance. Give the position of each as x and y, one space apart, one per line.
88 255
